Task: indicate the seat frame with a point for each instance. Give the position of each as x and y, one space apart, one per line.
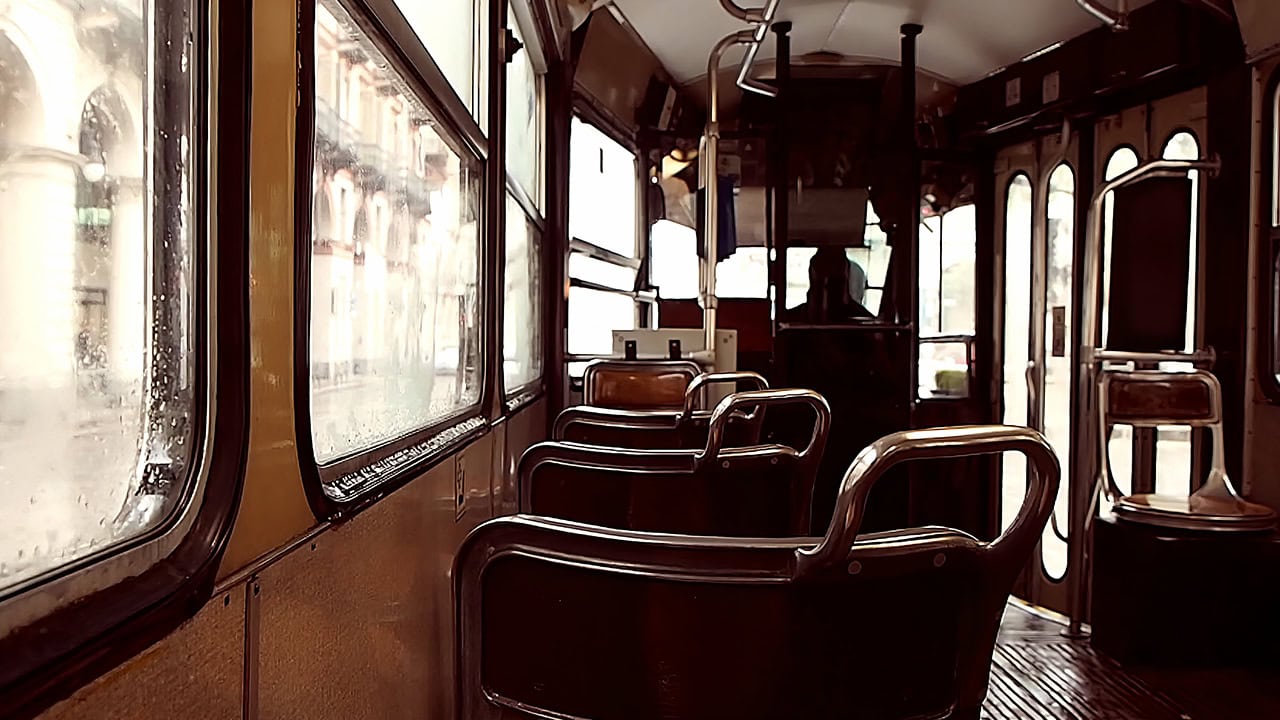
590 375
712 457
1234 514
623 419
839 556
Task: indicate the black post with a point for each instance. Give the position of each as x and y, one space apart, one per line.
778 175
908 235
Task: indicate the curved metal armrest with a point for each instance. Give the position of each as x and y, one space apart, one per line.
612 417
954 442
572 453
707 379
736 402
556 452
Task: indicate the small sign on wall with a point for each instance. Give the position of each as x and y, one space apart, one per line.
1049 87
1012 92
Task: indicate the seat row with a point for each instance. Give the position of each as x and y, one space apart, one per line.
664 568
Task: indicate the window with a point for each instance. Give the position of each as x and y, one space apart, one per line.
602 222
1122 160
522 309
1120 449
524 118
1173 444
1017 341
593 317
1183 146
453 33
744 274
866 282
948 244
602 190
394 327
98 375
948 317
1055 415
673 253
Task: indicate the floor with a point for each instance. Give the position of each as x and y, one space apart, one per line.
1039 674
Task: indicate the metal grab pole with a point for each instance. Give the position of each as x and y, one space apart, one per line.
1084 477
761 29
751 15
710 181
1117 19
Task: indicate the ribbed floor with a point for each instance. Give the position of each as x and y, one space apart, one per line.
1037 674
1066 680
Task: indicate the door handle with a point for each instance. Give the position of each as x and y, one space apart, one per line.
1033 395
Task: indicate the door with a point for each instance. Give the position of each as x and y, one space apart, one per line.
1037 225
1038 247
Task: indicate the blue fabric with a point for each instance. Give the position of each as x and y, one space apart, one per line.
727 238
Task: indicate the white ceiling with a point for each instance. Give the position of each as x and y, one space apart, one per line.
963 40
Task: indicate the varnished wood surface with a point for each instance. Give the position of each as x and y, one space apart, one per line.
1038 674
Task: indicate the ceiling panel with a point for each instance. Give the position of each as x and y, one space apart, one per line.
962 41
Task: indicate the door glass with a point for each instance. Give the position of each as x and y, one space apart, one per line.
1173 444
1017 323
1056 415
1120 448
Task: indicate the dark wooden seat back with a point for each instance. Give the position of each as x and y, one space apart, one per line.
561 619
646 429
638 384
758 490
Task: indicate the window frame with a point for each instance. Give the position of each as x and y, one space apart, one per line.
942 232
532 200
520 395
1268 252
969 340
359 478
532 205
122 600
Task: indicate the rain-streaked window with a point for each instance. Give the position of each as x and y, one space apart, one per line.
522 309
98 369
524 117
394 317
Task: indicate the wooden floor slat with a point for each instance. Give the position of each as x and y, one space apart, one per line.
1037 674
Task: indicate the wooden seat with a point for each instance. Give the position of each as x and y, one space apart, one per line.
566 620
756 490
638 384
684 428
1149 399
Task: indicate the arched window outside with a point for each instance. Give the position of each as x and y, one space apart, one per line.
1017 323
1060 210
1122 160
1173 445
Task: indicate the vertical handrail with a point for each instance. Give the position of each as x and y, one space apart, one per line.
760 18
710 181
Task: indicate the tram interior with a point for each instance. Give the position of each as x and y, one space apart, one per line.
623 359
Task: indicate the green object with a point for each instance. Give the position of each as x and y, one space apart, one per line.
951 382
